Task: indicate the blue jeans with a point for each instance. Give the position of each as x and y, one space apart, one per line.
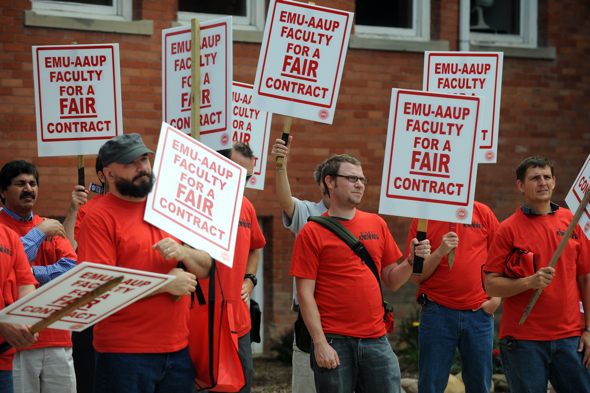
367 365
442 330
531 364
144 372
6 385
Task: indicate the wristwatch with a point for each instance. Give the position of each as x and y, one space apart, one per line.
251 277
587 329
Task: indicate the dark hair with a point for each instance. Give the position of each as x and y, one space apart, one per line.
532 162
12 170
317 174
243 149
332 166
99 168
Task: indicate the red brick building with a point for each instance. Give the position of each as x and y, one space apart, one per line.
545 95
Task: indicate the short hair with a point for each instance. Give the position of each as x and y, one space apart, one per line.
98 166
317 174
332 166
12 170
532 162
243 149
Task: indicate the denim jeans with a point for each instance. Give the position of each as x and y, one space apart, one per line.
531 364
144 372
442 330
6 382
367 365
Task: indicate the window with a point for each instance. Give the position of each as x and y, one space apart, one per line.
95 9
393 19
503 22
247 14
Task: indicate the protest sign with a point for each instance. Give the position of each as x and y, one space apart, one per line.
301 60
576 194
216 80
251 126
471 74
431 155
77 98
197 194
74 284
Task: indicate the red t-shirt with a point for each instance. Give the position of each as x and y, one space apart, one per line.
114 233
459 288
82 212
14 272
556 314
51 250
249 238
346 292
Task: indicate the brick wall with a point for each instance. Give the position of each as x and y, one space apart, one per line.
545 110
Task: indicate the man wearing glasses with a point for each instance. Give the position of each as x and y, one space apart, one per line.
339 297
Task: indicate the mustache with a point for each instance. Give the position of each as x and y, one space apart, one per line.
144 173
25 194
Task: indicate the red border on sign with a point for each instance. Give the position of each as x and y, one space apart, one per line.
166 119
467 54
265 126
320 9
59 280
473 152
70 47
189 139
575 191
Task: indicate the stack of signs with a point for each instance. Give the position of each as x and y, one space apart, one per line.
77 98
251 126
76 283
197 195
216 80
576 194
431 156
301 60
471 74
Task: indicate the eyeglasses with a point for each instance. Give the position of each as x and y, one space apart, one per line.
248 177
354 179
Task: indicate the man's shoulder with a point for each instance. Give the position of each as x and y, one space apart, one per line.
315 208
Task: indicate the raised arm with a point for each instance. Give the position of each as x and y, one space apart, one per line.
78 199
283 187
449 241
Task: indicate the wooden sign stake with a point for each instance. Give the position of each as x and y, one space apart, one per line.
451 256
420 235
558 252
285 137
196 79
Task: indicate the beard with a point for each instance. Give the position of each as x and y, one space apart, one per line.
130 189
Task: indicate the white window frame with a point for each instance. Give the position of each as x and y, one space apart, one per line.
419 32
529 15
121 10
254 20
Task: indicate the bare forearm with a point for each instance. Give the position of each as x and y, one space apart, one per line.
197 262
284 195
499 286
70 225
429 266
584 287
252 264
395 277
311 316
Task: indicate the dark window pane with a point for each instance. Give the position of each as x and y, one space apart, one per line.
385 13
223 7
91 2
495 16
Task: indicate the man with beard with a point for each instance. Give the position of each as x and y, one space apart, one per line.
47 365
143 347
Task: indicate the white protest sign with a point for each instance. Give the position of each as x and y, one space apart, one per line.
197 195
77 98
472 74
216 80
251 126
301 60
431 156
576 194
74 284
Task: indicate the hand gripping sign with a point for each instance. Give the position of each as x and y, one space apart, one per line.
76 283
471 74
301 60
77 98
216 80
576 194
197 195
251 126
431 155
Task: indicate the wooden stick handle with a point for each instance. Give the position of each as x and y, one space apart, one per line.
286 131
451 258
82 301
420 235
557 253
81 179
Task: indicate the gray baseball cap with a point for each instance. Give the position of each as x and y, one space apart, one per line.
122 149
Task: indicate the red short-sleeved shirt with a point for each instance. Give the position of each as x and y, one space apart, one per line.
82 213
556 314
14 272
459 288
346 291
